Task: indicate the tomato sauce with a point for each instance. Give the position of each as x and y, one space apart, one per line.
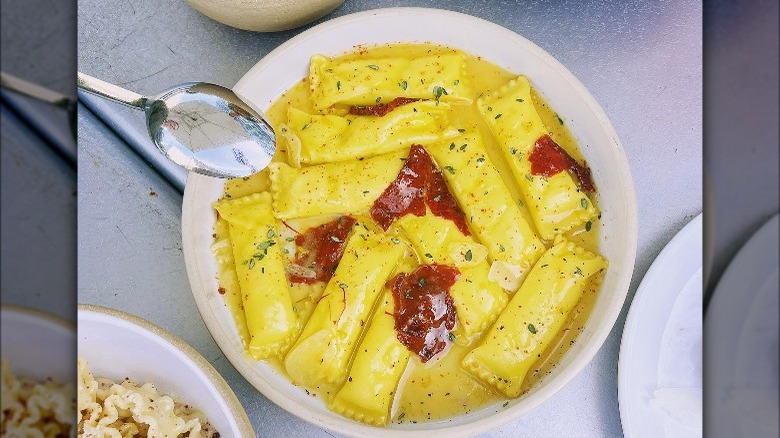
380 109
319 250
548 159
424 309
419 183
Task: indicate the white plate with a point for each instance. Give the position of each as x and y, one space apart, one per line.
36 344
661 345
742 341
289 63
118 345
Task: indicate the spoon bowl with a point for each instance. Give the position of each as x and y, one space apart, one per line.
204 128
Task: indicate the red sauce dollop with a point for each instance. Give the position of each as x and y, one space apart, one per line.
424 309
548 159
380 109
319 249
418 183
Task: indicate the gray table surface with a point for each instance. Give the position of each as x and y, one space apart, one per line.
640 59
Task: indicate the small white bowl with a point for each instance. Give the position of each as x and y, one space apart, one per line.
598 142
265 15
118 345
38 345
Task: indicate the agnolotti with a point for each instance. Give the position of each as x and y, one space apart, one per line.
320 356
380 361
493 216
368 81
478 301
259 265
533 318
314 139
556 202
347 187
229 288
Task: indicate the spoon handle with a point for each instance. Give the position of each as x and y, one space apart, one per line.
118 94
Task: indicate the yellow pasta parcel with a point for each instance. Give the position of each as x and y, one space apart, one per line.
493 216
556 203
222 248
314 139
267 305
348 187
380 361
321 354
368 81
478 301
533 318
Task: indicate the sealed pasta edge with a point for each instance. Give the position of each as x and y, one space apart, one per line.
348 411
316 63
483 373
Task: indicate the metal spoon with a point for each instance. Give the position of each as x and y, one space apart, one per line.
202 127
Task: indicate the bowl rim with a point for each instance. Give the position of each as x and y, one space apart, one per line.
224 392
38 314
566 375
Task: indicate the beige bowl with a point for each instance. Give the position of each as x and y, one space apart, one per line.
265 15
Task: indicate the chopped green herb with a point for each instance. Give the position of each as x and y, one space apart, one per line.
545 265
251 263
588 225
457 81
437 198
395 240
480 160
452 146
501 248
463 147
373 67
408 294
295 309
520 100
401 417
306 126
532 329
560 120
363 236
584 203
450 169
490 108
578 271
285 250
498 116
461 130
290 239
529 177
421 282
343 285
505 404
468 255
438 92
335 239
512 151
378 99
403 84
271 234
452 337
338 85
429 255
520 203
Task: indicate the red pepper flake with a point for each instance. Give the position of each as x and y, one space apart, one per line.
418 183
221 291
548 159
424 309
320 249
380 109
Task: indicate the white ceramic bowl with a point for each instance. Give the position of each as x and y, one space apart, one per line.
118 345
265 15
598 141
37 344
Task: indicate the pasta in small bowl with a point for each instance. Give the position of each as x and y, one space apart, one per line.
135 378
444 239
